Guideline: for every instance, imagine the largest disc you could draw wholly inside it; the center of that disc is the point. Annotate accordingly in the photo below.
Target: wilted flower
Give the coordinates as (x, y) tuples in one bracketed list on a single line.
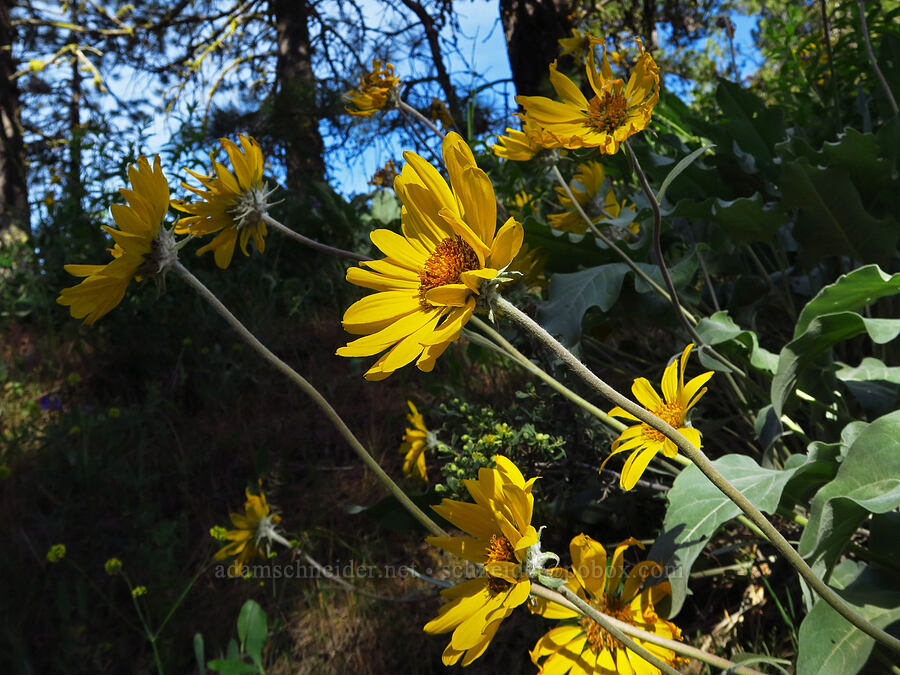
[(374, 92)]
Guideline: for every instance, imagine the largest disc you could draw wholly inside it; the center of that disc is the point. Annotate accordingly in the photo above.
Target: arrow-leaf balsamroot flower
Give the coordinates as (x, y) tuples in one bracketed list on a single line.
[(581, 645), (231, 204), (499, 536), (252, 533), (428, 282), (377, 89), (143, 248), (615, 112), (643, 440)]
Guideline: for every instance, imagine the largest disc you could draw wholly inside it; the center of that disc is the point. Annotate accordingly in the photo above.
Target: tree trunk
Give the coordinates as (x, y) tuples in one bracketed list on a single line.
[(532, 28), (295, 116), (13, 186)]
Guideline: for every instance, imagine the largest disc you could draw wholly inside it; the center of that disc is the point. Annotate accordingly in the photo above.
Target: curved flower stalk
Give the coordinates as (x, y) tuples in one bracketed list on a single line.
[(375, 91), (616, 111), (252, 533), (231, 203), (428, 283), (143, 247), (580, 644), (586, 188), (415, 441), (500, 535), (643, 440)]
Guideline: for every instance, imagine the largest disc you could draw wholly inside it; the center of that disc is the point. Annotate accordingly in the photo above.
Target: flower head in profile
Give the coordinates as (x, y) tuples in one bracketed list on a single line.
[(374, 91), (642, 440), (143, 248), (586, 187), (427, 285), (252, 533), (232, 203), (615, 112), (580, 644), (499, 537), (56, 553), (416, 440), (521, 146)]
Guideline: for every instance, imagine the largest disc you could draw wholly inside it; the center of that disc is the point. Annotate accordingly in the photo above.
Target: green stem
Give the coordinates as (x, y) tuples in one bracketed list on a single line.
[(698, 458), (871, 53), (528, 365), (151, 638), (312, 243), (609, 242), (628, 629), (178, 602), (314, 394)]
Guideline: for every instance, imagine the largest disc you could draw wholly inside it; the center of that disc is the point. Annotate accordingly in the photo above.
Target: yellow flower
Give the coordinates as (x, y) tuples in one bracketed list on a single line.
[(56, 553), (138, 591), (251, 535), (439, 112), (580, 644), (576, 45), (521, 146), (616, 111), (415, 442), (531, 264), (142, 246), (374, 90), (585, 187), (113, 566), (500, 536), (643, 440), (232, 204), (384, 177), (428, 283)]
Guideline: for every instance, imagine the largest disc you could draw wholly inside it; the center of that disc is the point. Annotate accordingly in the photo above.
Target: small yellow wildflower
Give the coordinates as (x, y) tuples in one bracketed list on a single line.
[(643, 440), (56, 553), (415, 441), (232, 204), (376, 90), (138, 591), (113, 566), (582, 645), (384, 177), (253, 531), (616, 112)]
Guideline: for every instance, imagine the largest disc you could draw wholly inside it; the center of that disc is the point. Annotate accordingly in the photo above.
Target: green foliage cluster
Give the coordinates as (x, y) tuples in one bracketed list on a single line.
[(475, 434)]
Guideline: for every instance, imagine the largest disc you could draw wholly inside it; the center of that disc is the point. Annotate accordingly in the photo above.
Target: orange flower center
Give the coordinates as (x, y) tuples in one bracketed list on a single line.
[(597, 637), (499, 550), (450, 259), (671, 413), (607, 113)]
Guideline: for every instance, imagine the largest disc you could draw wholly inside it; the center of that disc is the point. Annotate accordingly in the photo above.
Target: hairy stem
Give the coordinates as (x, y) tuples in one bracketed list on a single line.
[(652, 638), (698, 458), (312, 243)]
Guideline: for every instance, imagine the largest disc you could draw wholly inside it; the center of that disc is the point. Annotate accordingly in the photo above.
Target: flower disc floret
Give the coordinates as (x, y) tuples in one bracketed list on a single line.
[(433, 272)]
